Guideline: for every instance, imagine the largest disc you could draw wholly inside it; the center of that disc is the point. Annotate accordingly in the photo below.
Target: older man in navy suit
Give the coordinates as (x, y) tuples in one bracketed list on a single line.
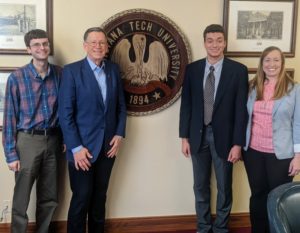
[(92, 114), (213, 119)]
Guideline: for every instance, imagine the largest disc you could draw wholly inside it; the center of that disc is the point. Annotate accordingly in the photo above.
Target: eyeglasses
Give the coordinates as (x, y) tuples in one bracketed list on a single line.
[(38, 45), (96, 43)]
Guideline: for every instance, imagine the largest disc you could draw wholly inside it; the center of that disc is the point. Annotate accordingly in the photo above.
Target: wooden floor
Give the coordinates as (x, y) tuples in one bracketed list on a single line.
[(236, 230), (239, 223)]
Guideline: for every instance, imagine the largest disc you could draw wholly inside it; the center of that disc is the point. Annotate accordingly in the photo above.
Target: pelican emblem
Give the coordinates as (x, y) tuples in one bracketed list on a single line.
[(139, 72)]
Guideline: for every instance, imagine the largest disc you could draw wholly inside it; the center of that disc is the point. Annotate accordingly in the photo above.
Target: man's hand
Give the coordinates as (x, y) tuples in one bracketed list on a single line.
[(115, 145), (14, 166), (235, 154), (185, 147), (82, 159)]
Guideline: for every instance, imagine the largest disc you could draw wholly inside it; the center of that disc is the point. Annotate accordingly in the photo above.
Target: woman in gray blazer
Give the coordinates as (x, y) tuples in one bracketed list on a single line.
[(272, 150)]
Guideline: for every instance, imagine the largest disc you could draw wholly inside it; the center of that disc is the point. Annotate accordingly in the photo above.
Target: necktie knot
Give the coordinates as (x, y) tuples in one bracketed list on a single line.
[(211, 69)]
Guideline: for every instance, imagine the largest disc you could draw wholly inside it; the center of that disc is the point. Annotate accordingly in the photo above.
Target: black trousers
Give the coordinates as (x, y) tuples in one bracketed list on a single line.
[(89, 190), (265, 172)]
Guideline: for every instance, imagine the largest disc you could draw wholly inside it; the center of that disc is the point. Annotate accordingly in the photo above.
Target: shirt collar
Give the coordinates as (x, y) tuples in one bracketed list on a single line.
[(217, 65), (35, 73), (94, 66)]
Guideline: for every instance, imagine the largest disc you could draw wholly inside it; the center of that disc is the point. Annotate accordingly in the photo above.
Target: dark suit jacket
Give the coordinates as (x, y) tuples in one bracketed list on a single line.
[(229, 118), (83, 117)]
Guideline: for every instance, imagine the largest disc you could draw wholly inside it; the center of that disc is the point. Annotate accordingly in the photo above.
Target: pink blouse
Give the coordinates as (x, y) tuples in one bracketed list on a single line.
[(262, 130)]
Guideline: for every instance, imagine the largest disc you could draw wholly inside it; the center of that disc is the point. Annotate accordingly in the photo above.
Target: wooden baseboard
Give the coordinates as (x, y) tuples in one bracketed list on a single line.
[(144, 224)]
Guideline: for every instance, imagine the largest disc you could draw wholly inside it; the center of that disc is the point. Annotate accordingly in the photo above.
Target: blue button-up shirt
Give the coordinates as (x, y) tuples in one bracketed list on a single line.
[(100, 77), (30, 103)]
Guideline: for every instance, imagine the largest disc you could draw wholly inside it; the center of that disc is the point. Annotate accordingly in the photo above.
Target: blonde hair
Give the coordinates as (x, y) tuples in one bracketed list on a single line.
[(283, 80)]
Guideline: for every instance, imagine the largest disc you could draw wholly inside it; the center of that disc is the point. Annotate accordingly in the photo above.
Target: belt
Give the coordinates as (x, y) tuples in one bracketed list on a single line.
[(45, 132)]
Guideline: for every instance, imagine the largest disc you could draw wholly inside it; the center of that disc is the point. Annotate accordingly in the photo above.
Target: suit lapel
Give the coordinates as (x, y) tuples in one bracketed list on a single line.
[(251, 101), (90, 80), (199, 73), (202, 73), (223, 84), (278, 102), (108, 84)]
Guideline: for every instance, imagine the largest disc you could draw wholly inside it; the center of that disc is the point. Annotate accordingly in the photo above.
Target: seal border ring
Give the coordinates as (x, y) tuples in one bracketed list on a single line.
[(186, 46)]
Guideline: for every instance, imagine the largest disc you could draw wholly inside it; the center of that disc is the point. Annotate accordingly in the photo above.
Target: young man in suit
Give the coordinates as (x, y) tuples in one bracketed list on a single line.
[(92, 114), (213, 118)]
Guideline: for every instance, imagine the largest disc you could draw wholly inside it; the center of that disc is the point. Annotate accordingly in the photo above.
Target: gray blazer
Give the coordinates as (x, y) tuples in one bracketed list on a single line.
[(285, 122)]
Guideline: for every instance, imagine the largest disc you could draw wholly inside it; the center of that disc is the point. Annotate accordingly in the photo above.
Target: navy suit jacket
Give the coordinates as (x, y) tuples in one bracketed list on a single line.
[(84, 118), (229, 118)]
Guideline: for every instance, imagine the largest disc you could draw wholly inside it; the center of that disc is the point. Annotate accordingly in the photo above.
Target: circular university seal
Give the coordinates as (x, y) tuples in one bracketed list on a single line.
[(152, 54)]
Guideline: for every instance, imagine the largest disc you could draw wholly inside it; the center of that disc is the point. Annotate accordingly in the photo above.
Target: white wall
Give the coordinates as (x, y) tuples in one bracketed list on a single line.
[(151, 177)]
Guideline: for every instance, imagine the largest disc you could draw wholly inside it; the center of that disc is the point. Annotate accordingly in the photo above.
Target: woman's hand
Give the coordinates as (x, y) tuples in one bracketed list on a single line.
[(294, 168)]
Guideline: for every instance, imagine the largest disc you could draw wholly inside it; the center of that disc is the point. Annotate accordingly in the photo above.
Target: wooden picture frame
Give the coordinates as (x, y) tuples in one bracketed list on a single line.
[(17, 18), (251, 26)]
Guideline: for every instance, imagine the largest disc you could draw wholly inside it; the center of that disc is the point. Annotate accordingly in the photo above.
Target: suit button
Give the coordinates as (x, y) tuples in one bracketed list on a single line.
[(200, 130)]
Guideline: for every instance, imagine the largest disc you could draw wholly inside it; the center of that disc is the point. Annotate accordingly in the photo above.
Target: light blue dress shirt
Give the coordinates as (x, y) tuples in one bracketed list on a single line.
[(100, 77)]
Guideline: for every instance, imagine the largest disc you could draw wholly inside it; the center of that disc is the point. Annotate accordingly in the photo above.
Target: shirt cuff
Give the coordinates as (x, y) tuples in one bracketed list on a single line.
[(76, 149), (12, 159), (296, 148)]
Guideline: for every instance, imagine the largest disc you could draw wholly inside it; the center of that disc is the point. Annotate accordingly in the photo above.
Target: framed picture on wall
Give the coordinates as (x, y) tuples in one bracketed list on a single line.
[(253, 25), (252, 72), (17, 17), (4, 73)]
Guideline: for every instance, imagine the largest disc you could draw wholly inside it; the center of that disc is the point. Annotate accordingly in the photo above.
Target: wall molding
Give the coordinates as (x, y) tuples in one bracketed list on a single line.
[(143, 224)]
